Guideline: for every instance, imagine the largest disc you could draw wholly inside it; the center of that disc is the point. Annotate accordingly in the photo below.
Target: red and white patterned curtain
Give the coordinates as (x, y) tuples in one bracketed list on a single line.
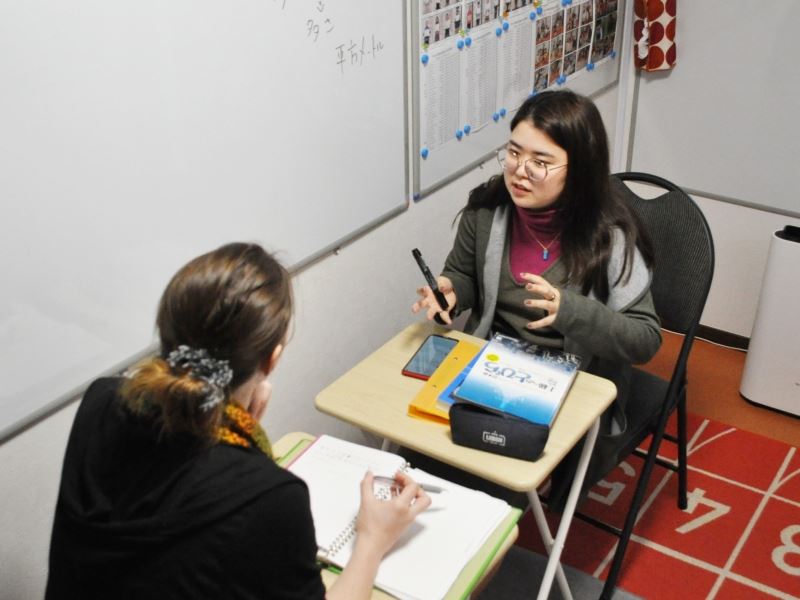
[(654, 34)]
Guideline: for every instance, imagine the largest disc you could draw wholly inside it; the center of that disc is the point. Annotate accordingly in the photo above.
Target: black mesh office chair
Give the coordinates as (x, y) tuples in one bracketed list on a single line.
[(684, 266)]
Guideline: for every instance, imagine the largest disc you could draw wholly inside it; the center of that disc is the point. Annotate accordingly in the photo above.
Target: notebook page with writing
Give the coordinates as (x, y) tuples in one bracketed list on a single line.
[(430, 555), (333, 470)]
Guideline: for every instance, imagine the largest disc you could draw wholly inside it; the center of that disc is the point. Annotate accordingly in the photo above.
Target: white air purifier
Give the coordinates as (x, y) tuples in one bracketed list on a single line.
[(771, 375)]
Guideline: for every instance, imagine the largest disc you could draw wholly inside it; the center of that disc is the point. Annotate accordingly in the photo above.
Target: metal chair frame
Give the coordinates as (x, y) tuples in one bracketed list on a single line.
[(675, 396)]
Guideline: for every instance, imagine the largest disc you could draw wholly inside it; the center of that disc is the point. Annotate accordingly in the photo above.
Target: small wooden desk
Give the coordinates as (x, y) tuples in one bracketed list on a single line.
[(474, 574), (374, 396)]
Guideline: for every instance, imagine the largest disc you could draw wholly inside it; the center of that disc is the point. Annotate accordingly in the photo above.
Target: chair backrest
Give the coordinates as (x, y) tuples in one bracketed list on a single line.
[(683, 246)]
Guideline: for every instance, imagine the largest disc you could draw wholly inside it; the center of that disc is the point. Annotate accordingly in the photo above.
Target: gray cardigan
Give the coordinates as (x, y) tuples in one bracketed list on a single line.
[(624, 328)]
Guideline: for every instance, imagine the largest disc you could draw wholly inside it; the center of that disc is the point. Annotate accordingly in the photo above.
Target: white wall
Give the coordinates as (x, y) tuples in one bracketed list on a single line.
[(742, 238), (730, 117), (724, 122)]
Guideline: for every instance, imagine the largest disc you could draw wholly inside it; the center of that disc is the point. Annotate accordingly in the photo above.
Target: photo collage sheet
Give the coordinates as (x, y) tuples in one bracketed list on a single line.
[(480, 59)]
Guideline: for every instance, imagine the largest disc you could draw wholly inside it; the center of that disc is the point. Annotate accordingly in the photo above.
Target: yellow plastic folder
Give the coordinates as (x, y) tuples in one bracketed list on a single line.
[(425, 405)]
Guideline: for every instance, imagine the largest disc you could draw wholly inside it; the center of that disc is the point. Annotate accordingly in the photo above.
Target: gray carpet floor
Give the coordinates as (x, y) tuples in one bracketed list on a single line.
[(522, 569)]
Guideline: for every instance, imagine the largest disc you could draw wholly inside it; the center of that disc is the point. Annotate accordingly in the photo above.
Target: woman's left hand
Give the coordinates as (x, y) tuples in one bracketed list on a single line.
[(547, 297)]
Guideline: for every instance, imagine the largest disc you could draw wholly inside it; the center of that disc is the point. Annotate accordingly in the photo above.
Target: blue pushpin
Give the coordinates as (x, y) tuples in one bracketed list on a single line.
[(467, 129), (505, 25), (459, 134), (424, 153), (590, 67), (468, 41), (561, 80), (460, 44), (564, 3), (502, 112), (424, 59), (539, 10), (613, 54), (417, 196), (498, 32), (532, 16), (496, 117)]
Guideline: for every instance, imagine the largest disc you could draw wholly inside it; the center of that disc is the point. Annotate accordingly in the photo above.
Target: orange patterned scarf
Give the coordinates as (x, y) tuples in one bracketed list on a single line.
[(240, 429)]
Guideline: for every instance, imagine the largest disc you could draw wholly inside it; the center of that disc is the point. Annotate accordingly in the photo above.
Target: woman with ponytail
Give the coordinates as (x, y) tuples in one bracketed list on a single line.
[(547, 252), (169, 489)]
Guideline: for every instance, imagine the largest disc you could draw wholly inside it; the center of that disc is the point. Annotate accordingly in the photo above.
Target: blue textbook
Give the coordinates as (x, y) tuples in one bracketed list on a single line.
[(521, 379)]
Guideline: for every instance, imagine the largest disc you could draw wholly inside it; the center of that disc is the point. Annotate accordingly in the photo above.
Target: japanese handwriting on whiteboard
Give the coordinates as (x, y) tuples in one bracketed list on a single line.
[(319, 23), (353, 54)]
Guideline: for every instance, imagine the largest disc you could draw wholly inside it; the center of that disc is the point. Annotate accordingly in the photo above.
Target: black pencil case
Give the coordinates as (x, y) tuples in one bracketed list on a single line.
[(475, 427)]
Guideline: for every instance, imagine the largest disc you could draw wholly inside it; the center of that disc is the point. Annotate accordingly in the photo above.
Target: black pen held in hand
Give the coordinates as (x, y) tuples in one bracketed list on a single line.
[(431, 280)]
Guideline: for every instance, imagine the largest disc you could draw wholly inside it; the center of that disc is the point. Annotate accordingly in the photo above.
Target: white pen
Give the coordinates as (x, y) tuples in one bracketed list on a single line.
[(392, 482)]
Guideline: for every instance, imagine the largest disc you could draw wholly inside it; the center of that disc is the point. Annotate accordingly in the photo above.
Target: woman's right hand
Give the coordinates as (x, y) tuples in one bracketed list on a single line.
[(379, 525), (428, 301), (381, 522)]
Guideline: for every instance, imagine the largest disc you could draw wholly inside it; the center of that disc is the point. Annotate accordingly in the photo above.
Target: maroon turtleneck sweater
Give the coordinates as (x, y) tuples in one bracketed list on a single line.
[(532, 232)]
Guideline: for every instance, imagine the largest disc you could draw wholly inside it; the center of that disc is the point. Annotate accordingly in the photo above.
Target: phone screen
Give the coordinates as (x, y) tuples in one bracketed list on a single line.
[(429, 356)]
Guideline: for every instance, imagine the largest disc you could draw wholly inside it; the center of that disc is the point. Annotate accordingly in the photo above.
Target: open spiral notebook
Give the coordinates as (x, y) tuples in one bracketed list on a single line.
[(431, 554)]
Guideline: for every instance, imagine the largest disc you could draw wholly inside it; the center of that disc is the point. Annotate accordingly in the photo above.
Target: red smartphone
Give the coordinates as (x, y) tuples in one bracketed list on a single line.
[(429, 356)]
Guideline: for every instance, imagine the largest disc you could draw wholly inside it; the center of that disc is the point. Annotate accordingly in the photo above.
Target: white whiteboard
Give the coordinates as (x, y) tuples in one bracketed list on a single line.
[(724, 122), (136, 134)]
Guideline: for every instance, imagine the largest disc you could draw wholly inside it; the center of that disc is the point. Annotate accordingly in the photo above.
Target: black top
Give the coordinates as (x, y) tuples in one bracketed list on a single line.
[(145, 516)]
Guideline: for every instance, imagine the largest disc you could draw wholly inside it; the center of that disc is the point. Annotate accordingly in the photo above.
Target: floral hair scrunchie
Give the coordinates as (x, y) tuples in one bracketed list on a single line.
[(217, 374)]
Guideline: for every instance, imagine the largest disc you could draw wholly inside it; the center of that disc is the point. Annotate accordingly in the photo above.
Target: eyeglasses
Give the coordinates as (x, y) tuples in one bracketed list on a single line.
[(535, 169)]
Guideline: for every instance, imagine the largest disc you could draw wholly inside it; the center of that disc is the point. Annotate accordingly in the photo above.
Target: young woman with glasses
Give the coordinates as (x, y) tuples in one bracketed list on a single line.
[(545, 252), (169, 488)]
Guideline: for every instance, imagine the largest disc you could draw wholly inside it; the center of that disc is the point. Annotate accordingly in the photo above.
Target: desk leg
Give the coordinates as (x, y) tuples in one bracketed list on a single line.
[(555, 547), (547, 539)]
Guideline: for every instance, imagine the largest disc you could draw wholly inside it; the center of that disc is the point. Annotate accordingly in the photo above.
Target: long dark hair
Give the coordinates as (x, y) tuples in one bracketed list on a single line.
[(235, 303), (587, 211)]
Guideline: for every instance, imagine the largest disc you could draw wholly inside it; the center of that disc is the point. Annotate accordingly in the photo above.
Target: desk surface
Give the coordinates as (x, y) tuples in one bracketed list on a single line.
[(479, 568), (374, 396)]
